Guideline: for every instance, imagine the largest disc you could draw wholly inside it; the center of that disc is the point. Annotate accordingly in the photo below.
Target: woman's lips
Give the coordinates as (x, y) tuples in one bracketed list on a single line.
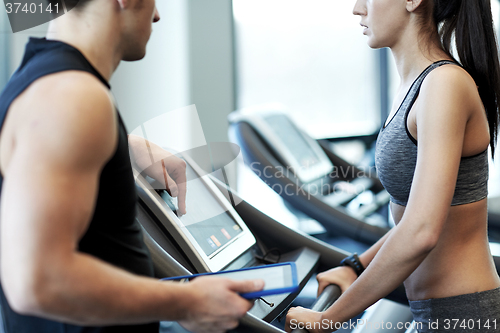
[(365, 28)]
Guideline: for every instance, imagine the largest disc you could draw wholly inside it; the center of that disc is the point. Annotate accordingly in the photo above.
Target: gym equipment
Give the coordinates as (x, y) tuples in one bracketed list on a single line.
[(184, 246), (216, 235), (346, 200)]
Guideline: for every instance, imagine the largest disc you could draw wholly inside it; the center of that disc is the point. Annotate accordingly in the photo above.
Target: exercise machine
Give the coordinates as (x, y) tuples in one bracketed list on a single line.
[(220, 232), (345, 199)]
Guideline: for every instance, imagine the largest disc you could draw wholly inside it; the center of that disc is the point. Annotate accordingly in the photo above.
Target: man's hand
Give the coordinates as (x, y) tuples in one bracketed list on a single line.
[(162, 166), (214, 303), (304, 318)]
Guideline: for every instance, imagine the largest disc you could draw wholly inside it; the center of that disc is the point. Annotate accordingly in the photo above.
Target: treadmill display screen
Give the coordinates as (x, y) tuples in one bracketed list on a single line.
[(206, 219), (293, 140)]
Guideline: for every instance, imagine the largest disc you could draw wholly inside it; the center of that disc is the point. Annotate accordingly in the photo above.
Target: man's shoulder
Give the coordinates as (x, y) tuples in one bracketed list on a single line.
[(68, 111), (71, 85)]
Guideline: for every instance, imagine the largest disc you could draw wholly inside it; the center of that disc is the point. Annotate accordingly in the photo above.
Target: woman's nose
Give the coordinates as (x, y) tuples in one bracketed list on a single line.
[(359, 8)]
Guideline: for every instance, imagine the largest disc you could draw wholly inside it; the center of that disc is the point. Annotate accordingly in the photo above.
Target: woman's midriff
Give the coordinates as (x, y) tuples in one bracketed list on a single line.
[(461, 262)]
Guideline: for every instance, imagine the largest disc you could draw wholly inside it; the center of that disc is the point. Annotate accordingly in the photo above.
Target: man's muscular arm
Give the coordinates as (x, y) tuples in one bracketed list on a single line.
[(49, 192)]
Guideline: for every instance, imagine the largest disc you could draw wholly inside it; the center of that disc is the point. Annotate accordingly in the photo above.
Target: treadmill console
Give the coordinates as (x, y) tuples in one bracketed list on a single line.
[(211, 233), (303, 154), (212, 237)]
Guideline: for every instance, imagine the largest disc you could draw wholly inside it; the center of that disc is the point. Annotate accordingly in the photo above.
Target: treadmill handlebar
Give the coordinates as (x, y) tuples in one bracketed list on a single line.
[(329, 295), (251, 324)]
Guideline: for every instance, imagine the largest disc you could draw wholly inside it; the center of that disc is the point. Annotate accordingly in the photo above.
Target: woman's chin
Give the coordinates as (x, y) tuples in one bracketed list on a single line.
[(373, 44)]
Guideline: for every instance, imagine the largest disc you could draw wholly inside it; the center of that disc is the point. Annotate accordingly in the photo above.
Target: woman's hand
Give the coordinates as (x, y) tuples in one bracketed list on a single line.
[(342, 276), (304, 318), (159, 164)]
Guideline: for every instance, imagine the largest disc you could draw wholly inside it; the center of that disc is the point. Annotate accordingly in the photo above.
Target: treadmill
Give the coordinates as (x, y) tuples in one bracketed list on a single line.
[(344, 199), (223, 232)]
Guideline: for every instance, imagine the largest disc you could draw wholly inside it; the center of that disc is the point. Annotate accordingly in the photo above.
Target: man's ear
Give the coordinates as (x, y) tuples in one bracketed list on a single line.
[(412, 5), (123, 3)]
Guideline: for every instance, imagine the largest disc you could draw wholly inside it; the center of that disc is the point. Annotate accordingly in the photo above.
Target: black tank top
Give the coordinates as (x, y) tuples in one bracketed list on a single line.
[(113, 235)]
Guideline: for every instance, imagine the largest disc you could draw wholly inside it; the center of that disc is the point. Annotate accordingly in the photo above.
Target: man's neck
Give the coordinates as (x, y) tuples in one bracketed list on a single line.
[(97, 41)]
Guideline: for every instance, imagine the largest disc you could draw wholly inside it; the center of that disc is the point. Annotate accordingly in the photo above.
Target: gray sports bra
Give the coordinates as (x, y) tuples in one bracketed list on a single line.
[(396, 156)]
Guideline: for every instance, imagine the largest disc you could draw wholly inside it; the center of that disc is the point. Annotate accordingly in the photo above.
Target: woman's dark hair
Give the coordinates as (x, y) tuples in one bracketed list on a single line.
[(471, 23)]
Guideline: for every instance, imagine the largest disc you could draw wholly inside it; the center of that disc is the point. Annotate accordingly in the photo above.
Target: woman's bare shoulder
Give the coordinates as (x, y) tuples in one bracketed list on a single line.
[(452, 89), (448, 79)]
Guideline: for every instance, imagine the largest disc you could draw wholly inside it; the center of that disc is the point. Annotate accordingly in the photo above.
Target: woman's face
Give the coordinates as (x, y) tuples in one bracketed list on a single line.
[(383, 20)]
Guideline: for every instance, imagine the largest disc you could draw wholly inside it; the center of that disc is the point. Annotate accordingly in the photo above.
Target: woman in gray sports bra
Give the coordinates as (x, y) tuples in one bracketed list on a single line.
[(432, 157)]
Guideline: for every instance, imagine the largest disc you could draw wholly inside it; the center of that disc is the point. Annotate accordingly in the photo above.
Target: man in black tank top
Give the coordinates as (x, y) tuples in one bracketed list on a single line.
[(72, 254)]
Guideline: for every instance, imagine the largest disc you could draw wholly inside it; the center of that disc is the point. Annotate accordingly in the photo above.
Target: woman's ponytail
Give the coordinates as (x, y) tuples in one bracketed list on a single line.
[(471, 23)]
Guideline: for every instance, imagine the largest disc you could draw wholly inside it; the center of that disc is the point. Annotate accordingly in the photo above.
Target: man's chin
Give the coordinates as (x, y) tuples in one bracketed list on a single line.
[(134, 57)]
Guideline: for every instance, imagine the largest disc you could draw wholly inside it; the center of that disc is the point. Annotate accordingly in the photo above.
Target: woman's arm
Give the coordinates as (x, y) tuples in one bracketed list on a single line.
[(344, 276), (367, 256), (442, 113)]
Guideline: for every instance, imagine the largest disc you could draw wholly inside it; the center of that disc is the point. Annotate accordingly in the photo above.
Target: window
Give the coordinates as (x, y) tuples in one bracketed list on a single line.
[(312, 57)]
